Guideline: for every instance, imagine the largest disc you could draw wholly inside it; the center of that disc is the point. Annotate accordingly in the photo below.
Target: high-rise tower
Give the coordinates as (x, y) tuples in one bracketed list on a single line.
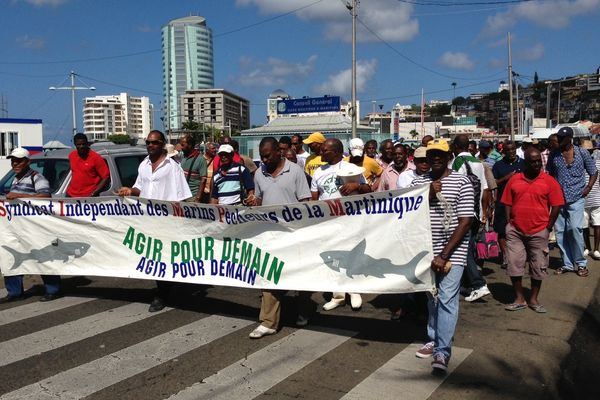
[(187, 60)]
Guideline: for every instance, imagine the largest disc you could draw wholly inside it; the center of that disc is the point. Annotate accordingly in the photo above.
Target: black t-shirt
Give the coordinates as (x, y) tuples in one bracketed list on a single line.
[(502, 168)]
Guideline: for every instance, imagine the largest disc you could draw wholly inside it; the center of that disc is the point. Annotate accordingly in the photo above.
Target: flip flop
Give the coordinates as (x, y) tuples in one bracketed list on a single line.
[(583, 271), (538, 308), (515, 307)]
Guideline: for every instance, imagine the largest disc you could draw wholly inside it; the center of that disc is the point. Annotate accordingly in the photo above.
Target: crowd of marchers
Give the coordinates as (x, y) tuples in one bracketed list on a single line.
[(530, 195)]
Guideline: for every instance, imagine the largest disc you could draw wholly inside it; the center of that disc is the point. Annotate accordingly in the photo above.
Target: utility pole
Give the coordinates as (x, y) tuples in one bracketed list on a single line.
[(73, 88), (548, 93), (451, 104), (518, 108), (354, 12), (510, 91)]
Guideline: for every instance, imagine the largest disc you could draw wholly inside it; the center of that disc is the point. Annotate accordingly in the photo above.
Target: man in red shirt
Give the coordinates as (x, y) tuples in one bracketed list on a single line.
[(90, 174), (528, 196)]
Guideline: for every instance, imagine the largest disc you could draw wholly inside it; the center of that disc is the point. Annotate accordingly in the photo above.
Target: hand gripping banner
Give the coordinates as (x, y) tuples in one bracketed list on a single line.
[(373, 243)]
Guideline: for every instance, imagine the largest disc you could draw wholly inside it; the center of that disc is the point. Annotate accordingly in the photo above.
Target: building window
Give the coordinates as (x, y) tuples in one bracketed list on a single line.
[(8, 142)]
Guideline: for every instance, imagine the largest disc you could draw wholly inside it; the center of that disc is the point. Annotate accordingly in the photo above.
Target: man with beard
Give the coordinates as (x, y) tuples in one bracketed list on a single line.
[(194, 166), (159, 178), (278, 181), (533, 200), (90, 174), (325, 185), (357, 157), (504, 170), (450, 245), (390, 175)]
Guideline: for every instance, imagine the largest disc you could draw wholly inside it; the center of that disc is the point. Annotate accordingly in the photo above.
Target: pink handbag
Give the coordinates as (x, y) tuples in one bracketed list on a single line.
[(487, 244)]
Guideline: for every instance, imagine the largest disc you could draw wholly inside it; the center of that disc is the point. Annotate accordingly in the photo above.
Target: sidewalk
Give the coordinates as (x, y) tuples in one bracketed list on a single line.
[(520, 354)]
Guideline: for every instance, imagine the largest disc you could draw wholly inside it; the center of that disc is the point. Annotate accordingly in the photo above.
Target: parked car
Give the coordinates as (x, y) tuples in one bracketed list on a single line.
[(122, 161)]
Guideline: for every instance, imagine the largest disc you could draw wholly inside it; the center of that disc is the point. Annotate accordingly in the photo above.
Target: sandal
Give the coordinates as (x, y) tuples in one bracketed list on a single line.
[(562, 270), (538, 308), (583, 272), (515, 307)]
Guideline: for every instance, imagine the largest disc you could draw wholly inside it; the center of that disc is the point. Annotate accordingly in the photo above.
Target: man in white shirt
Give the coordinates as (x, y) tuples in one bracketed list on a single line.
[(159, 178), (297, 146), (327, 185)]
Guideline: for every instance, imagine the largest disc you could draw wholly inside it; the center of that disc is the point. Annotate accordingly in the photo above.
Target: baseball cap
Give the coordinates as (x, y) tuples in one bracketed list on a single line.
[(565, 131), (225, 148), (357, 147), (484, 144), (315, 137), (438, 144), (420, 152), (19, 152), (527, 140)]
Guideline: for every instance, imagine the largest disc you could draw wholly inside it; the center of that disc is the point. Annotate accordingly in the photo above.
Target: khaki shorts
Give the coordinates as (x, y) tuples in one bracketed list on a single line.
[(522, 249)]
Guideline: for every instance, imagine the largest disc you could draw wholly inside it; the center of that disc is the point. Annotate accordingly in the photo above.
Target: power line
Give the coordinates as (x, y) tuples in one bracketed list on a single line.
[(94, 59), (421, 65), (462, 3), (119, 86)]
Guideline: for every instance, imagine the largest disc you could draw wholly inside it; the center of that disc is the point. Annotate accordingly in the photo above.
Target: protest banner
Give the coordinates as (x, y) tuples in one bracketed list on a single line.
[(373, 243)]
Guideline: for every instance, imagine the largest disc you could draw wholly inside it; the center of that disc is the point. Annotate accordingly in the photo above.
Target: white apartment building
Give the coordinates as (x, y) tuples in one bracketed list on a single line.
[(117, 115)]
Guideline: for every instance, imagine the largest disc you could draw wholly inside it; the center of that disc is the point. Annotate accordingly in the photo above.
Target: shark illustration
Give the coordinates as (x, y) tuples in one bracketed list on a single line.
[(356, 262), (57, 250)]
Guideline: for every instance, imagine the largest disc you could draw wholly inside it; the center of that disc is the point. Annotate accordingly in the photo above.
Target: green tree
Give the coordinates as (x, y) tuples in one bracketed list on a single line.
[(119, 139), (413, 133)]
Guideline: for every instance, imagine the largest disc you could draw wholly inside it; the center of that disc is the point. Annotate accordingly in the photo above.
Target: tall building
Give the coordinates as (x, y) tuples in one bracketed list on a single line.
[(187, 60), (217, 108), (117, 115)]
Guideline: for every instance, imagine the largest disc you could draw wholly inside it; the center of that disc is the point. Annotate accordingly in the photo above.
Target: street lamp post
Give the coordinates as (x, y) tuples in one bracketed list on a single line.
[(452, 103), (380, 119), (72, 88), (548, 93)]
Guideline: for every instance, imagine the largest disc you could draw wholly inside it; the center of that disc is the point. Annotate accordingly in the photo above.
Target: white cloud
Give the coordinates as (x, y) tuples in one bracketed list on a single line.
[(31, 42), (389, 19), (273, 71), (497, 63), (43, 3), (534, 53), (145, 28), (456, 60), (341, 83), (554, 14)]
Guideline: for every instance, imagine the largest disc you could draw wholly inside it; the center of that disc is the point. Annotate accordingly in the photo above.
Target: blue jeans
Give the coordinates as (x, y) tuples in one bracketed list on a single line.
[(569, 234), (443, 311), (14, 284)]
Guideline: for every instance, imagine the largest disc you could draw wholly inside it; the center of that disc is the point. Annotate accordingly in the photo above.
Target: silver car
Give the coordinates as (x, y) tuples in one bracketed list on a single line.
[(122, 161)]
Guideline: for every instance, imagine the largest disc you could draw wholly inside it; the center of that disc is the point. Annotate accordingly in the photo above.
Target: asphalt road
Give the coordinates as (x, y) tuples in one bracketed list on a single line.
[(100, 343)]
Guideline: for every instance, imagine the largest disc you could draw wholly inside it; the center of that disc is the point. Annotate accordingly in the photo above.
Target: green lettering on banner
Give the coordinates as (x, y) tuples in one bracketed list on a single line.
[(275, 270)]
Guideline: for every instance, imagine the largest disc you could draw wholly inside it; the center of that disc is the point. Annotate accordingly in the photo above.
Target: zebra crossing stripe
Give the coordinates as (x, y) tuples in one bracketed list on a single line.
[(52, 338), (36, 309), (405, 376), (96, 375), (258, 372)]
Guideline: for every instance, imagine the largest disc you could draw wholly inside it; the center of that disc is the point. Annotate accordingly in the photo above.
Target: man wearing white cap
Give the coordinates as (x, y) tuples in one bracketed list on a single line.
[(357, 157), (327, 184), (233, 183), (27, 184)]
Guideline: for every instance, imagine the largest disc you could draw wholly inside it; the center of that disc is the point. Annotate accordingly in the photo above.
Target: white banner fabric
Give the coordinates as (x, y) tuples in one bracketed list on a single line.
[(374, 243)]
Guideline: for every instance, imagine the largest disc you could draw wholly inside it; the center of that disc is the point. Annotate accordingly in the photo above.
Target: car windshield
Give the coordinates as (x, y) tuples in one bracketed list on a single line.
[(55, 170), (127, 166)]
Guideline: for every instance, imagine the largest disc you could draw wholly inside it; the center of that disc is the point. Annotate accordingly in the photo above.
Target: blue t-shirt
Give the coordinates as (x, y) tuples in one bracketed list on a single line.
[(502, 168)]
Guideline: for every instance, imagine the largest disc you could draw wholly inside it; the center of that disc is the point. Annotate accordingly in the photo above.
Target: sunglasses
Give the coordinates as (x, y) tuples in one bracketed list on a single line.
[(154, 142)]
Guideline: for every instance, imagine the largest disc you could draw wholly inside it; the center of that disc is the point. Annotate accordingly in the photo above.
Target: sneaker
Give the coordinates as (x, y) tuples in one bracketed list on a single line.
[(586, 252), (596, 255), (465, 291), (334, 303), (50, 297), (301, 321), (355, 301), (261, 331), (440, 362), (426, 350), (478, 293)]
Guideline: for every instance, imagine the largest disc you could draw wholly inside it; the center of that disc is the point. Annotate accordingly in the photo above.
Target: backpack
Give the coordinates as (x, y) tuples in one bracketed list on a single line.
[(476, 186), (487, 244)]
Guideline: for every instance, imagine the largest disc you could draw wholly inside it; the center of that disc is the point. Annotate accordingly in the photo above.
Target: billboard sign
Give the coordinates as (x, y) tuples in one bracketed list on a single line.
[(309, 105)]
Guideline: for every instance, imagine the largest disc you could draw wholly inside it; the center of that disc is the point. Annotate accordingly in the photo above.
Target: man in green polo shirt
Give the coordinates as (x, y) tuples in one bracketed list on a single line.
[(194, 166)]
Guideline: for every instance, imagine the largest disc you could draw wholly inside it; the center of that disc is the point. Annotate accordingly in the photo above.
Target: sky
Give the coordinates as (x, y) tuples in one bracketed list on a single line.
[(300, 46)]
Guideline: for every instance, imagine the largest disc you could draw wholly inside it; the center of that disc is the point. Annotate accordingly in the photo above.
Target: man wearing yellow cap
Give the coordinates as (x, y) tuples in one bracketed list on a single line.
[(314, 141)]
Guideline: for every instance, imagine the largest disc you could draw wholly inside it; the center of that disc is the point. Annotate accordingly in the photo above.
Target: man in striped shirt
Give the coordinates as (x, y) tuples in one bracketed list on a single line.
[(451, 216), (233, 183), (27, 184)]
